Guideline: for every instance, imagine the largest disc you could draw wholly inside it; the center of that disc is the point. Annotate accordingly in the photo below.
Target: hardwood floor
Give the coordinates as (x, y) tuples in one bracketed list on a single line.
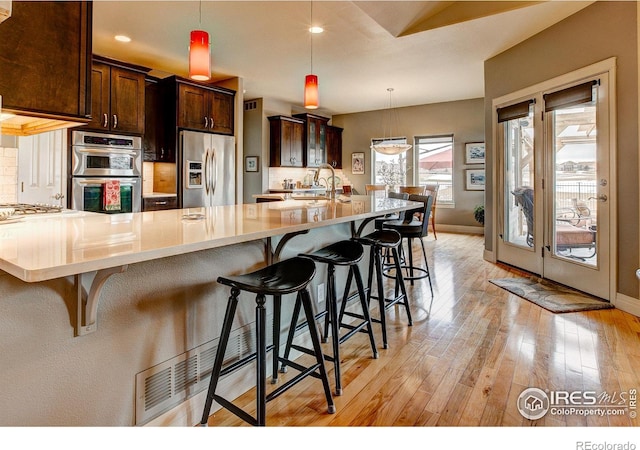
[(467, 357)]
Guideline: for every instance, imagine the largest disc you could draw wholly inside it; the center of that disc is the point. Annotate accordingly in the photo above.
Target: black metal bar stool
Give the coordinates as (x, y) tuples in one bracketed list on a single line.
[(411, 228), (378, 241), (343, 253), (285, 277)]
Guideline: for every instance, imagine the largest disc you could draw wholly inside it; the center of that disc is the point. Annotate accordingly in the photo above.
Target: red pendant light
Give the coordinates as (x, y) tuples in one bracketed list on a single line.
[(311, 91), (199, 56)]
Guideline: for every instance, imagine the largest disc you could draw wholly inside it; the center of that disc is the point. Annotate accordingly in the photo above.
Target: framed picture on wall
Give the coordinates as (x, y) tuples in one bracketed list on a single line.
[(474, 153), (357, 163), (475, 179), (251, 163)]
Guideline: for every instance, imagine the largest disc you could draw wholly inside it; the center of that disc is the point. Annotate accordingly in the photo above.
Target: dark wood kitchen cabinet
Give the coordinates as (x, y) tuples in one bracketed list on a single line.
[(286, 141), (117, 96), (205, 108), (45, 59), (158, 203), (154, 141), (315, 139), (334, 146)]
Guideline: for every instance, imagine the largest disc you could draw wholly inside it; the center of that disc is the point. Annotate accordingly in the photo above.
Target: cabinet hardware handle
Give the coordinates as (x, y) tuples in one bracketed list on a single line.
[(115, 121), (211, 122), (161, 203), (206, 122), (105, 122)]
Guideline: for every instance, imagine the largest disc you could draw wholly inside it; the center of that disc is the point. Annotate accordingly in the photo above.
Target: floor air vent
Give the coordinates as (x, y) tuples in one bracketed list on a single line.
[(166, 385)]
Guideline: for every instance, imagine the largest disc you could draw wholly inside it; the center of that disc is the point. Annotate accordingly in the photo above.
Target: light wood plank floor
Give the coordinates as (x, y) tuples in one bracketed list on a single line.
[(466, 361)]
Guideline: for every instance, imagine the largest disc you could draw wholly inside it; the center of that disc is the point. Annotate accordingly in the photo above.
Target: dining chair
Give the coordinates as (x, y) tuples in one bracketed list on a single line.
[(378, 190), (411, 190), (432, 190)]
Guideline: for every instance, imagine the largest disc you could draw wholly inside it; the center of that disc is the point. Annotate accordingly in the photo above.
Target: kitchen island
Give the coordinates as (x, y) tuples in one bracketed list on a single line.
[(164, 310)]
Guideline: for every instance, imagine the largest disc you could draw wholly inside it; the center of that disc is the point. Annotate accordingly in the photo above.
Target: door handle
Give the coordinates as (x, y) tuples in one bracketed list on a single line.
[(600, 198), (206, 172), (214, 171)]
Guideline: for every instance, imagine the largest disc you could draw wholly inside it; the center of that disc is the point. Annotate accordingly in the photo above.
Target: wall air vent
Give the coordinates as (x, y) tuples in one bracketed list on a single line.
[(166, 385), (250, 105)]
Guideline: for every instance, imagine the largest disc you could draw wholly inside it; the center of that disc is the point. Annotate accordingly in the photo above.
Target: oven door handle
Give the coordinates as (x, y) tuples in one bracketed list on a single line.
[(106, 152), (99, 181)]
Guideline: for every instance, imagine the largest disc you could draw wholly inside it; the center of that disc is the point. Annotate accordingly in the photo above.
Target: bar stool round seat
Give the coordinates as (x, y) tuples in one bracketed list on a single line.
[(389, 240), (285, 277), (342, 253)]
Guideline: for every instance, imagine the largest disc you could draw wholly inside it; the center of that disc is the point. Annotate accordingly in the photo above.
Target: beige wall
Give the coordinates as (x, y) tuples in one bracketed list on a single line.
[(598, 32), (464, 119)]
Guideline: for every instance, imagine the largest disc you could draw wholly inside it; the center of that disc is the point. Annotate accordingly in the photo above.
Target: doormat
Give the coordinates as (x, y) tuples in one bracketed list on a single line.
[(551, 296)]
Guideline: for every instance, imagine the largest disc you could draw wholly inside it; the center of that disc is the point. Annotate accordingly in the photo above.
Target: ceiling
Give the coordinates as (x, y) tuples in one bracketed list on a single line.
[(428, 52)]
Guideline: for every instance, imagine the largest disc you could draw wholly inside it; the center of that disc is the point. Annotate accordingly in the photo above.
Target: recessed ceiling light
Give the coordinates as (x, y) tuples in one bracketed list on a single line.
[(316, 30), (122, 38)]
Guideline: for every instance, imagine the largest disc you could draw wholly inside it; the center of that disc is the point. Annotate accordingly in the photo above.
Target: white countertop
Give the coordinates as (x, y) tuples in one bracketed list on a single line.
[(61, 245)]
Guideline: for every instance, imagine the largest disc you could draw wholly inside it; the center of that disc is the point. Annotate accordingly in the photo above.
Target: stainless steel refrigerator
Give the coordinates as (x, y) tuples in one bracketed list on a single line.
[(208, 171)]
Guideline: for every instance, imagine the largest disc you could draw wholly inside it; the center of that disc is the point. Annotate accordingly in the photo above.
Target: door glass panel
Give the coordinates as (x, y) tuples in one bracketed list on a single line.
[(575, 179), (519, 182)]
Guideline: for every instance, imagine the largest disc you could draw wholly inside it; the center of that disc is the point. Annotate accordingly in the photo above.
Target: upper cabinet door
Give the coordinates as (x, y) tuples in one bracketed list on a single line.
[(222, 116), (193, 107), (45, 53), (127, 101), (100, 76)]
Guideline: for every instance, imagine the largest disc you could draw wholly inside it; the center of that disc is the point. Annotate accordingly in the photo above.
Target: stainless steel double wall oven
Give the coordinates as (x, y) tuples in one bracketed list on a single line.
[(98, 158)]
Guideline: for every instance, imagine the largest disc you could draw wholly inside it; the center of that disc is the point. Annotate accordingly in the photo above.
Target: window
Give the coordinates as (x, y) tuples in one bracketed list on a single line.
[(389, 169), (434, 160)]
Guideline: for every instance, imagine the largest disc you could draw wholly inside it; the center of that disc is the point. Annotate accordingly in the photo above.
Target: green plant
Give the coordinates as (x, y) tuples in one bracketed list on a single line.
[(478, 214)]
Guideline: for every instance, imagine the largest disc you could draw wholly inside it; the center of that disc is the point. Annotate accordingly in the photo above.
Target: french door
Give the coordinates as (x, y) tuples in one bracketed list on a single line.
[(554, 198)]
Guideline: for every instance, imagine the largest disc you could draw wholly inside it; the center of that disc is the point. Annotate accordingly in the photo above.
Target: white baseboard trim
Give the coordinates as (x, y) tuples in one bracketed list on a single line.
[(459, 229), (488, 255), (627, 304)]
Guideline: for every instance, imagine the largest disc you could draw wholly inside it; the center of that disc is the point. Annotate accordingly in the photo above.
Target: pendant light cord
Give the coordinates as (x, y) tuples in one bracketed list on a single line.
[(311, 34)]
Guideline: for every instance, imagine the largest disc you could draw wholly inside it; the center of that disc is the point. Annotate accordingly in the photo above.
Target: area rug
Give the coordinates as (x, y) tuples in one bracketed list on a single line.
[(551, 296)]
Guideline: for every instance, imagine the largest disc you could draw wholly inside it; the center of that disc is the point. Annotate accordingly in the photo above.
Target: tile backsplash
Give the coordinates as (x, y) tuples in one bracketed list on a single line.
[(278, 174), (8, 175)]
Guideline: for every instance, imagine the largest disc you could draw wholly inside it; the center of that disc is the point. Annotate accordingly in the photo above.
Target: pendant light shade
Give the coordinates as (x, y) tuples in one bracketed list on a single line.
[(199, 56), (311, 92), (389, 145)]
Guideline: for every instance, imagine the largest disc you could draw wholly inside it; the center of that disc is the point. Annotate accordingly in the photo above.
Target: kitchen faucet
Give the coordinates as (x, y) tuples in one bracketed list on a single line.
[(316, 177)]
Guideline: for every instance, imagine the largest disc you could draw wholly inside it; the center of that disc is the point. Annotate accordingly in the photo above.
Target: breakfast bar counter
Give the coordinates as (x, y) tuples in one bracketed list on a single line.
[(57, 246)]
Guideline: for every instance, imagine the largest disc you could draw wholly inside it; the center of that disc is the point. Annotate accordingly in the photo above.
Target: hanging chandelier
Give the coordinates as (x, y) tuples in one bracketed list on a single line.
[(311, 96), (199, 54), (390, 145)]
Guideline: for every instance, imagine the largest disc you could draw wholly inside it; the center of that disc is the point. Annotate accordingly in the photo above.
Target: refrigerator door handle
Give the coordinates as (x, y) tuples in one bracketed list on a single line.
[(214, 171), (206, 172)]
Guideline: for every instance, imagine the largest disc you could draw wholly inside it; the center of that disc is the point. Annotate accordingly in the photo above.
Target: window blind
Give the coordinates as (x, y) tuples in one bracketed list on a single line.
[(575, 95), (517, 111)]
